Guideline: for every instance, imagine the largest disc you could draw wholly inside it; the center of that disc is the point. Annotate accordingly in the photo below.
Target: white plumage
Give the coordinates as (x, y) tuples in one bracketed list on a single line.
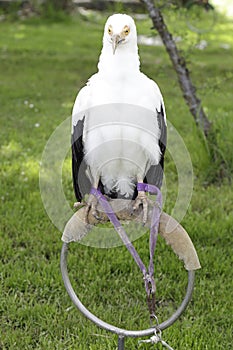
[(119, 117)]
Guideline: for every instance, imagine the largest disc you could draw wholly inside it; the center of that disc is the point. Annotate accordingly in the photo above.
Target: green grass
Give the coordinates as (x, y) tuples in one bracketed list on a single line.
[(43, 65)]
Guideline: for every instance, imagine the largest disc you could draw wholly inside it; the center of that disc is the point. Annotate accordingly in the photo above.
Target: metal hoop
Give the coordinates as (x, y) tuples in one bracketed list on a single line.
[(120, 331)]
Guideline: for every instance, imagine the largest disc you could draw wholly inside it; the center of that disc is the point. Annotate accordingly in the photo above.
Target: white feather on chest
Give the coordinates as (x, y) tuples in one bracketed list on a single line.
[(120, 138)]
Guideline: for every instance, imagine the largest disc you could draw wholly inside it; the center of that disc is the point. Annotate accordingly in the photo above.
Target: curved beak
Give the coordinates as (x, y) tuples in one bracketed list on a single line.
[(116, 40)]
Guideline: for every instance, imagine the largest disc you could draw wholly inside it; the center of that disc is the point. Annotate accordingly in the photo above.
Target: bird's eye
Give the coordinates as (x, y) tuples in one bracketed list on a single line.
[(126, 30), (110, 30)]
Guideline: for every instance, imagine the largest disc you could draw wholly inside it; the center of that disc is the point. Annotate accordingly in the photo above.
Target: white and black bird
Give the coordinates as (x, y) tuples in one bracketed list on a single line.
[(118, 123)]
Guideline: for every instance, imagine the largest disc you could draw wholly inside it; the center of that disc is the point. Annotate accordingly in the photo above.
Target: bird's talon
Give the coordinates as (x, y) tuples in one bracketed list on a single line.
[(96, 216), (77, 205), (91, 206)]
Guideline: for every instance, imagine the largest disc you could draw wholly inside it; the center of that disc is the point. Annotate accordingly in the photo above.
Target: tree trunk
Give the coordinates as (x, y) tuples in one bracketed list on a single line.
[(179, 64)]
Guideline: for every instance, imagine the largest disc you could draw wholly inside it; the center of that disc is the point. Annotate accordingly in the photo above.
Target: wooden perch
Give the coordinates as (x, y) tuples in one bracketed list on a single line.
[(173, 233)]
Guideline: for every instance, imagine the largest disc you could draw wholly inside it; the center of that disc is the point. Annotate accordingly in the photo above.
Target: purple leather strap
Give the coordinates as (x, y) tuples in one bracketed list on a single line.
[(154, 227), (118, 227), (148, 276)]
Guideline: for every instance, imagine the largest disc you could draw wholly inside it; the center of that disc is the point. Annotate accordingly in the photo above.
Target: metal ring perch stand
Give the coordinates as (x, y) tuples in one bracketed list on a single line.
[(181, 245)]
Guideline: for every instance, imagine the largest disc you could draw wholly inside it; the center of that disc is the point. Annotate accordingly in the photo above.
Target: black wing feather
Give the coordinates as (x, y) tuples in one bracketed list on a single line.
[(81, 182), (154, 175)]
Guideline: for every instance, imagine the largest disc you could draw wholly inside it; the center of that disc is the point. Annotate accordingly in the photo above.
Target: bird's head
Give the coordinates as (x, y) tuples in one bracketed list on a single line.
[(120, 31)]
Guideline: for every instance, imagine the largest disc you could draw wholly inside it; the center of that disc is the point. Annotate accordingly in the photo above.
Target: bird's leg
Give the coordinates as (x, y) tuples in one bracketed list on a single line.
[(91, 207), (92, 203), (142, 199)]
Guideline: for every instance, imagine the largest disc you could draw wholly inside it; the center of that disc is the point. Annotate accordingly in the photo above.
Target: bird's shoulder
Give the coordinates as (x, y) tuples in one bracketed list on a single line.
[(151, 92), (150, 84), (81, 101)]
